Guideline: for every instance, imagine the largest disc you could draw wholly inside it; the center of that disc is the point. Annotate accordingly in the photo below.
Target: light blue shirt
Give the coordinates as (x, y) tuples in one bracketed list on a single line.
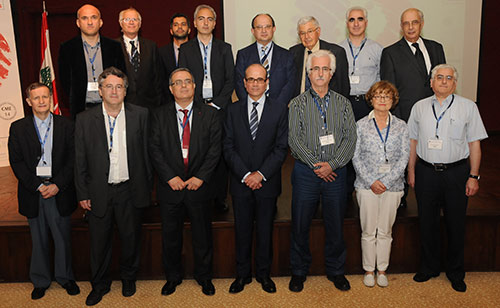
[(367, 64), (42, 126), (370, 155), (206, 56), (269, 56), (460, 125)]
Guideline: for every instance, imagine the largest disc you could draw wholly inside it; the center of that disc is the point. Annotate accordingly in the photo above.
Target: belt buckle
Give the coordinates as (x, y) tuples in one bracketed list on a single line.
[(439, 167)]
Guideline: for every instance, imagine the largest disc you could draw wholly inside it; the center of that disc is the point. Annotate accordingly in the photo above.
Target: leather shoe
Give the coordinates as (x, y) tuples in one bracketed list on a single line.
[(239, 284), (296, 283), (458, 285), (422, 277), (38, 293), (169, 287), (207, 287), (95, 297), (71, 288), (128, 287), (267, 284), (340, 282)]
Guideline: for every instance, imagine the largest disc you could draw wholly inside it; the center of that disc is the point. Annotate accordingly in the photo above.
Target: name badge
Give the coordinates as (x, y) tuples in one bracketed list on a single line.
[(185, 153), (326, 140), (92, 86), (384, 168), (354, 79), (44, 171), (207, 83), (435, 144)]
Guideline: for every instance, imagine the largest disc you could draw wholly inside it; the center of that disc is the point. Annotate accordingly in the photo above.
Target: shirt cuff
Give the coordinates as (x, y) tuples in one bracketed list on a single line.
[(263, 177), (245, 176)]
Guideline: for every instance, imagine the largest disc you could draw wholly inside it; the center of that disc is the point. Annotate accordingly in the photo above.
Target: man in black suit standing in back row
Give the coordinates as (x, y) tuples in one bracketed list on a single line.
[(142, 61)]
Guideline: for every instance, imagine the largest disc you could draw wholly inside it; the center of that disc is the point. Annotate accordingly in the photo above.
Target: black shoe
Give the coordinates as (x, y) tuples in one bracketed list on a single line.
[(422, 277), (38, 293), (95, 297), (128, 287), (267, 284), (207, 287), (239, 284), (296, 283), (71, 288), (340, 282), (169, 287), (458, 285)]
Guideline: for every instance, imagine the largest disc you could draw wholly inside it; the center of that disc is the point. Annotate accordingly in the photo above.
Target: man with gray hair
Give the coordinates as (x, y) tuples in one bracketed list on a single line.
[(113, 180), (309, 32), (445, 134), (322, 138)]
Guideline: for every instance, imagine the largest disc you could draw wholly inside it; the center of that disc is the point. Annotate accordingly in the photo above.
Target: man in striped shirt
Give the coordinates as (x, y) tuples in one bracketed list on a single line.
[(322, 138)]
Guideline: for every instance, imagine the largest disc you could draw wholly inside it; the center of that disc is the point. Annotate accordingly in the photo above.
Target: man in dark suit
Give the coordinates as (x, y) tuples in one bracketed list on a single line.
[(185, 148), (277, 61), (211, 62), (169, 54), (41, 155), (408, 62), (255, 147), (142, 60), (83, 58), (113, 180), (309, 32)]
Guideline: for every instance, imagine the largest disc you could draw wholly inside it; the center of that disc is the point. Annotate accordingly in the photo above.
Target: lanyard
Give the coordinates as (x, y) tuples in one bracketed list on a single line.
[(92, 60), (266, 54), (184, 123), (111, 130), (42, 142), (205, 58), (321, 111), (386, 136), (354, 57), (442, 114)]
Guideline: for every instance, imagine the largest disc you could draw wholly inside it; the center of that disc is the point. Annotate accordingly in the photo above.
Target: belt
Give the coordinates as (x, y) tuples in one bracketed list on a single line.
[(46, 180), (442, 167), (208, 100), (117, 184)]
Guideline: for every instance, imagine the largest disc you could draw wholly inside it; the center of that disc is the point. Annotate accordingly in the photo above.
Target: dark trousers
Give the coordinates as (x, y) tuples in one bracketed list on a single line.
[(307, 190), (128, 218), (446, 189), (220, 182), (172, 224), (246, 210), (60, 228)]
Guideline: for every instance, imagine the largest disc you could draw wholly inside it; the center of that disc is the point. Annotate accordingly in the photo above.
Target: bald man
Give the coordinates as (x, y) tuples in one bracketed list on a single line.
[(83, 58)]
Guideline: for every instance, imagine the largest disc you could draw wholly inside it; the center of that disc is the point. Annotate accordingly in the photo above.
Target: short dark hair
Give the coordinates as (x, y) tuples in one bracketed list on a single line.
[(380, 87), (36, 85), (177, 15), (180, 69), (267, 14), (115, 72)]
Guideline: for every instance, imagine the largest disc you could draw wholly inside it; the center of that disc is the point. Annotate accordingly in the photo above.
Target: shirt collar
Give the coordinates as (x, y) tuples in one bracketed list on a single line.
[(315, 95), (128, 40), (315, 47), (105, 113), (209, 43), (188, 107), (419, 41), (446, 102), (371, 115), (261, 100), (90, 46), (40, 122), (259, 46)]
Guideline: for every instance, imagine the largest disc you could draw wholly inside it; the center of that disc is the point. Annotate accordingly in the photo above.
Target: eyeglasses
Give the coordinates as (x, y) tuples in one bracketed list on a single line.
[(359, 19), (413, 23), (316, 69), (109, 87), (448, 77), (203, 18), (308, 32), (179, 82), (129, 19), (382, 97), (266, 27), (257, 80)]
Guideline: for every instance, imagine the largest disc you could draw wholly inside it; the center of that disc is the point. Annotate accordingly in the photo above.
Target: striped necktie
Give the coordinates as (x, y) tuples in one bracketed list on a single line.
[(264, 60), (254, 120), (134, 57)]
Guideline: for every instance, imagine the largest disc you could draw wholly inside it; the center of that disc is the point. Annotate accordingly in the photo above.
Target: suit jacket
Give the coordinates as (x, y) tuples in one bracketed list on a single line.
[(340, 79), (266, 153), (24, 154), (73, 68), (281, 76), (167, 57), (144, 87), (221, 69), (204, 150), (399, 66), (92, 157)]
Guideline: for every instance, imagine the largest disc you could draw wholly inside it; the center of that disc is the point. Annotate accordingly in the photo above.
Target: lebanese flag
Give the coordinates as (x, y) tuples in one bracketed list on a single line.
[(47, 75)]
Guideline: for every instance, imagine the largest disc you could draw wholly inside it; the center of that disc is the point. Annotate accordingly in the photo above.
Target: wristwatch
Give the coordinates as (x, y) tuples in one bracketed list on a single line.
[(477, 177)]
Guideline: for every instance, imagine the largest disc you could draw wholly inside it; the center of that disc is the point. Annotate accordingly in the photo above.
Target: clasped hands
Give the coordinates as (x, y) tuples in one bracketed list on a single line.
[(177, 183)]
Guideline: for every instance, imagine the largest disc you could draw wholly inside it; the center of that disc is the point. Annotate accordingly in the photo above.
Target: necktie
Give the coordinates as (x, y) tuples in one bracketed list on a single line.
[(308, 81), (134, 56), (264, 60), (186, 134), (254, 120), (420, 58)]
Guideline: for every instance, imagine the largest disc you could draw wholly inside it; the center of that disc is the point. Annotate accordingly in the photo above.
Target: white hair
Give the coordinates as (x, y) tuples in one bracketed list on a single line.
[(356, 8), (318, 54)]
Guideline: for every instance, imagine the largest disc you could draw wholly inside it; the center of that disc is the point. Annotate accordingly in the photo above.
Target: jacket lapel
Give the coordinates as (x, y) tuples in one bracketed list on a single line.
[(411, 56), (244, 117)]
